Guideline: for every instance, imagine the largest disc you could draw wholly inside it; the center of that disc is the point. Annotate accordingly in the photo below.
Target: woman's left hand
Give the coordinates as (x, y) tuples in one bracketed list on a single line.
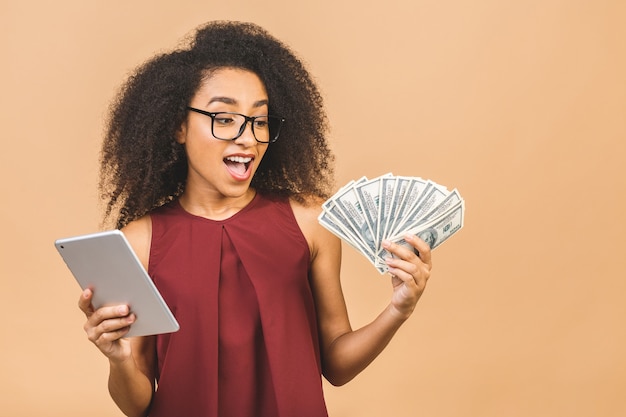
[(409, 273)]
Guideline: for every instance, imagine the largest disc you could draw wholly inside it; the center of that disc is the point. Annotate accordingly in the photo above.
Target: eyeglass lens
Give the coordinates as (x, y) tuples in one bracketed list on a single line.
[(229, 126)]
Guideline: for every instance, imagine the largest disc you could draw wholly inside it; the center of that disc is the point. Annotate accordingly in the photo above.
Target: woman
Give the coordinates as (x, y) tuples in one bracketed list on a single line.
[(216, 162)]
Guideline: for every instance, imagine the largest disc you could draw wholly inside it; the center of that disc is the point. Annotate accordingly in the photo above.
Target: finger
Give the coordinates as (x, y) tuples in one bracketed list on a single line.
[(401, 270), (107, 313), (399, 276), (110, 329), (422, 248), (84, 302), (400, 251), (116, 325), (110, 337), (408, 266)]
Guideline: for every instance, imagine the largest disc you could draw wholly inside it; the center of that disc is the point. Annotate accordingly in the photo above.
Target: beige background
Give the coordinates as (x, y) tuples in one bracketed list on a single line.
[(519, 104)]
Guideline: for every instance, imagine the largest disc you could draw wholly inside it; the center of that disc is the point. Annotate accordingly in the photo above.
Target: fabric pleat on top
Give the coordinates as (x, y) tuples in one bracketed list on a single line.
[(239, 288)]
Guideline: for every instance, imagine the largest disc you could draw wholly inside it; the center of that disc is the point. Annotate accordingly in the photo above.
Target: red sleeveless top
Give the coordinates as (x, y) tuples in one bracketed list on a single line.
[(248, 342)]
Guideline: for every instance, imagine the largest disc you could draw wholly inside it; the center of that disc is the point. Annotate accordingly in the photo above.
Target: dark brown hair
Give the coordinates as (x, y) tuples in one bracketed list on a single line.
[(142, 165)]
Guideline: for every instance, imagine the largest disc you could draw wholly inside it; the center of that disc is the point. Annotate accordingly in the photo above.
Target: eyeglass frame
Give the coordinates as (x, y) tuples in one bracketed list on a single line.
[(242, 129)]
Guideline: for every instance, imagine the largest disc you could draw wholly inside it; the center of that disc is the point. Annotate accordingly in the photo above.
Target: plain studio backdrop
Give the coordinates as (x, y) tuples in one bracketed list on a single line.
[(519, 104)]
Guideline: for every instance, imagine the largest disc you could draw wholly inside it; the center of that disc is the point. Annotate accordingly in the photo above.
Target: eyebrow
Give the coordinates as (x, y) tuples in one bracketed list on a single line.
[(232, 101)]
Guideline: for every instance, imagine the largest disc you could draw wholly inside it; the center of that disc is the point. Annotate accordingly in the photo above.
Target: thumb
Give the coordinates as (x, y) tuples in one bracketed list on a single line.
[(84, 302)]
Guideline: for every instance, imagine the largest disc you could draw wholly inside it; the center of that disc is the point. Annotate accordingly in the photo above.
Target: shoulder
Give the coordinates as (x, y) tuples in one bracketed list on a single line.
[(306, 214), (139, 235), (308, 210)]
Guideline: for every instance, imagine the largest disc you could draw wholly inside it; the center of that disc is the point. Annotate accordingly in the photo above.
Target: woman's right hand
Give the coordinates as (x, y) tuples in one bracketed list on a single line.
[(106, 327)]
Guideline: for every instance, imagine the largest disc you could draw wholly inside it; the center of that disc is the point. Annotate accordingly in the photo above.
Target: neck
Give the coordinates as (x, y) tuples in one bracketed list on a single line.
[(215, 207)]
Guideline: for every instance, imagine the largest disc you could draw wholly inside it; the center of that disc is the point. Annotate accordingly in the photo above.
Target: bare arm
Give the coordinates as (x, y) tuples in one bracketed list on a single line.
[(132, 361), (346, 352)]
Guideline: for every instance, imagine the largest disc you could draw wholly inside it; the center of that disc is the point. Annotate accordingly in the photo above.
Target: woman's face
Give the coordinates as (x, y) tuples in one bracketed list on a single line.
[(223, 168)]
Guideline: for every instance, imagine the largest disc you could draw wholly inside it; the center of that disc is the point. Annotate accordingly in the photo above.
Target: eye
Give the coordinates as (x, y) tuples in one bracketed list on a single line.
[(223, 119), (260, 122)]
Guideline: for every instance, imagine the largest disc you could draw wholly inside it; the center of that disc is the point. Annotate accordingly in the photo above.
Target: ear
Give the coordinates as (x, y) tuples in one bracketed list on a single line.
[(181, 133)]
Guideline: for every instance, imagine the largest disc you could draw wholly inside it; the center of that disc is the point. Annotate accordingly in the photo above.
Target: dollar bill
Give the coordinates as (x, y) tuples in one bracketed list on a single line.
[(392, 190), (414, 190), (348, 203), (336, 225), (430, 198), (435, 231), (366, 212), (449, 202), (369, 195)]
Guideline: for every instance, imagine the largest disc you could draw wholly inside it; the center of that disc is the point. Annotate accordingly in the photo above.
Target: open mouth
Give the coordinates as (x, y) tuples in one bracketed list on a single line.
[(238, 165)]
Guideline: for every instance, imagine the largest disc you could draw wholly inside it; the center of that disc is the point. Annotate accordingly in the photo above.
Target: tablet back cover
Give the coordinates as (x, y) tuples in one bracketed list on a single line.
[(106, 263)]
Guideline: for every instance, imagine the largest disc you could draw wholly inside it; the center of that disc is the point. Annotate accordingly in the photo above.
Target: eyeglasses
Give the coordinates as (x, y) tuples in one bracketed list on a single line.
[(230, 126)]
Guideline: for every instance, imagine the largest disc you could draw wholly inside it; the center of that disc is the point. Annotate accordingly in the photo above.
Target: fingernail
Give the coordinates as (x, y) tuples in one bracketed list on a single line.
[(122, 309)]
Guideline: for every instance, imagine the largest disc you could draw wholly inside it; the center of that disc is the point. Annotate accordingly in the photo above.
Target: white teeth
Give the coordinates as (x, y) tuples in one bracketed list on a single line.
[(239, 159)]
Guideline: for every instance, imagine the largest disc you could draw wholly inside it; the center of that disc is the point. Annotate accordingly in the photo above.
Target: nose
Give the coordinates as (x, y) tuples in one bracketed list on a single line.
[(247, 135)]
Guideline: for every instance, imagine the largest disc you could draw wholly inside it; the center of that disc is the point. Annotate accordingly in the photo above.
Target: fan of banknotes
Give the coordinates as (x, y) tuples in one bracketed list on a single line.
[(365, 212)]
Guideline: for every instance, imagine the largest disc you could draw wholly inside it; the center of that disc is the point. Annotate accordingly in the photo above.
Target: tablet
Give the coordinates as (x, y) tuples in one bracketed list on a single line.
[(106, 263)]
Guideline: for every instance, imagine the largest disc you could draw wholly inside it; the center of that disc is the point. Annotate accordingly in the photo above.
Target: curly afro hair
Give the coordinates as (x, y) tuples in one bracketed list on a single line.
[(142, 165)]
